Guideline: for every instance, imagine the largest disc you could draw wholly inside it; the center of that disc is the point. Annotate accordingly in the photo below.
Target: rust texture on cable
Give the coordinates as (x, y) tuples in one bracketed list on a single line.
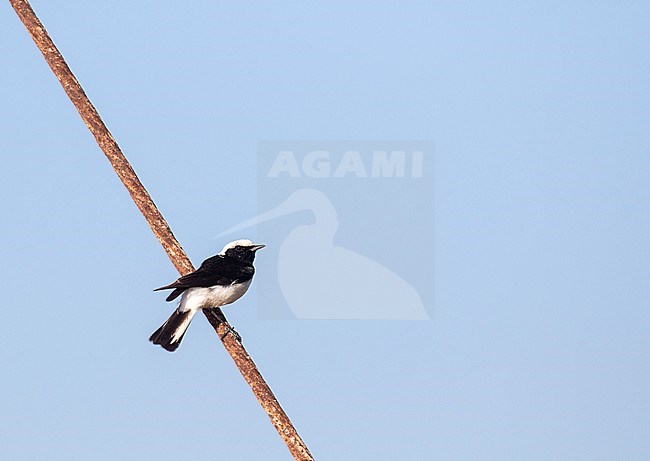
[(158, 225)]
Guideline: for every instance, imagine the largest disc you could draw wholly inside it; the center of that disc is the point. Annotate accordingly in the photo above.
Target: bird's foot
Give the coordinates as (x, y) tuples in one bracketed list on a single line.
[(230, 330)]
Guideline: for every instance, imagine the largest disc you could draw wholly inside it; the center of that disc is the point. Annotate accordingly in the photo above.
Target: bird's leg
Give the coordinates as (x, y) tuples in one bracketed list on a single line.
[(229, 329)]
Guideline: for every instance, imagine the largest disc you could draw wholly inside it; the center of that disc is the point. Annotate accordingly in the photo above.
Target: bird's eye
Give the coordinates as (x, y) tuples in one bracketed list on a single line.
[(238, 247)]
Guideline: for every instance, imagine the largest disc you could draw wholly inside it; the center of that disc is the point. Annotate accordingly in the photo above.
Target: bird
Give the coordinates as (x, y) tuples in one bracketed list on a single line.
[(221, 279)]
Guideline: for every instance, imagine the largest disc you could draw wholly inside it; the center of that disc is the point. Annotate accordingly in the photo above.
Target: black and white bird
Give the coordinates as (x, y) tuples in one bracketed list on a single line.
[(221, 280)]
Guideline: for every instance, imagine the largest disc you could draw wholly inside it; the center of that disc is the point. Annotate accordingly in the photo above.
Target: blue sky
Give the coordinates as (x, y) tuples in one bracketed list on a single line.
[(539, 345)]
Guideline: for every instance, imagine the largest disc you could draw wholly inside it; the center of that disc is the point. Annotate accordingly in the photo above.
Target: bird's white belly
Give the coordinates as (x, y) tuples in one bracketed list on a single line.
[(216, 296)]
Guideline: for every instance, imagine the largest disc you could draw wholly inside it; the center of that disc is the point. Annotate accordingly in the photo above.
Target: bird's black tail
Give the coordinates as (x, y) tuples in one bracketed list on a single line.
[(170, 334)]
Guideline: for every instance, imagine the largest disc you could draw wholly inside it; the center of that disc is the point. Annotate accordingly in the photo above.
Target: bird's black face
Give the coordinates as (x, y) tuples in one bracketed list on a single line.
[(244, 253)]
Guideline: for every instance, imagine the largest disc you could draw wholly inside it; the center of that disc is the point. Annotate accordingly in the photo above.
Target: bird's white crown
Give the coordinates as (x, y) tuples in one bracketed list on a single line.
[(242, 242)]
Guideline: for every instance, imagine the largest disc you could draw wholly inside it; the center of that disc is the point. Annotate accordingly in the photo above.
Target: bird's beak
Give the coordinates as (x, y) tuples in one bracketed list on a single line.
[(257, 247)]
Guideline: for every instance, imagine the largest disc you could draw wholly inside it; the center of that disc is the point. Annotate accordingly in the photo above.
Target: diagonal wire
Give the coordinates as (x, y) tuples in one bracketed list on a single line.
[(158, 225)]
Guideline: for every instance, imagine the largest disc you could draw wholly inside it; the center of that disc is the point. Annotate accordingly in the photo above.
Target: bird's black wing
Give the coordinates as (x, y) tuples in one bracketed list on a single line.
[(217, 270)]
